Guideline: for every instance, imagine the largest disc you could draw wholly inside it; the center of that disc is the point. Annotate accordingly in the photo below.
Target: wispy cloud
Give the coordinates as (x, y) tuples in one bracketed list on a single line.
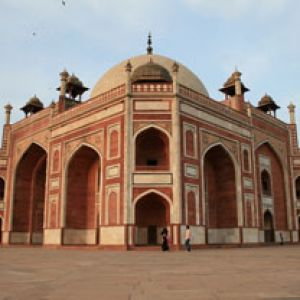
[(237, 8)]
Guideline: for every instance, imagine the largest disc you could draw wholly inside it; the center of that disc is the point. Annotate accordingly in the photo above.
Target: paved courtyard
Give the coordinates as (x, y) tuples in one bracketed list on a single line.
[(253, 273)]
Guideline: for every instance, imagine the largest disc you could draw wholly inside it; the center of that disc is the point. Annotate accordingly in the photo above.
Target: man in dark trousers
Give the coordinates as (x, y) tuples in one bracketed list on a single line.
[(188, 235)]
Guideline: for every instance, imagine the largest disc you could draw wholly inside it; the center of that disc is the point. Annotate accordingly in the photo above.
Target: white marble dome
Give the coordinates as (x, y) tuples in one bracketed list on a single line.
[(117, 76)]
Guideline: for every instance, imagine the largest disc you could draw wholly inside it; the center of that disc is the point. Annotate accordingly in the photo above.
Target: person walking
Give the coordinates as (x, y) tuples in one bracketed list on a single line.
[(165, 241), (188, 235)]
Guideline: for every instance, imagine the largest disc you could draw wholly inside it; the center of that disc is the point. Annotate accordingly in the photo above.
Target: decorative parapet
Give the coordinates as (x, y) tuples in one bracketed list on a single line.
[(152, 87), (31, 119), (91, 104), (213, 105), (270, 119)]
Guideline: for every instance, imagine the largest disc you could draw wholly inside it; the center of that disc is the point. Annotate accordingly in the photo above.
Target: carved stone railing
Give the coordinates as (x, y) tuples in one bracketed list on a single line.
[(152, 87)]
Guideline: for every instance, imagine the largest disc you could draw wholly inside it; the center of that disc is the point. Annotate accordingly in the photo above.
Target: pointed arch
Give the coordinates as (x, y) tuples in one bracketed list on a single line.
[(151, 214), (155, 191), (82, 187), (238, 191), (220, 187), (29, 196), (26, 149), (270, 144), (151, 126), (268, 160), (152, 149), (65, 177)]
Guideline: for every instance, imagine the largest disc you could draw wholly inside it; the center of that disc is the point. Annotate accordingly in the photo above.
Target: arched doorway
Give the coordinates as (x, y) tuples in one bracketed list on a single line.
[(220, 189), (152, 213), (82, 189), (2, 189), (152, 150), (29, 197), (268, 227), (297, 187)]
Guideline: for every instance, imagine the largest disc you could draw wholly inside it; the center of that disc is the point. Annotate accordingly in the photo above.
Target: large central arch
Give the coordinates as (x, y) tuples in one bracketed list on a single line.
[(82, 188), (29, 197), (266, 155), (220, 189), (152, 213)]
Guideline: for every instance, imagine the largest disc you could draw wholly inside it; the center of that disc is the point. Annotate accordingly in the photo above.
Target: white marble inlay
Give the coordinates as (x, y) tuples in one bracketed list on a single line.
[(113, 171), (248, 183), (152, 178), (191, 171)]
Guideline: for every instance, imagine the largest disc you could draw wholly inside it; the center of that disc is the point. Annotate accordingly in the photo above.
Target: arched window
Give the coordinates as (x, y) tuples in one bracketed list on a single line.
[(266, 183), (2, 186), (152, 150), (246, 160), (298, 188)]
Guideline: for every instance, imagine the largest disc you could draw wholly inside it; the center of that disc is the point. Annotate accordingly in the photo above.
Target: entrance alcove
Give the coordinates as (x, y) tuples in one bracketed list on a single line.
[(271, 184), (220, 196), (29, 197), (268, 227), (152, 214), (152, 150), (82, 187)]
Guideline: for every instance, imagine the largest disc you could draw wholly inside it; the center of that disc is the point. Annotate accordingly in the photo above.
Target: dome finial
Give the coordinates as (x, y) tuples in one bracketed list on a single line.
[(149, 48)]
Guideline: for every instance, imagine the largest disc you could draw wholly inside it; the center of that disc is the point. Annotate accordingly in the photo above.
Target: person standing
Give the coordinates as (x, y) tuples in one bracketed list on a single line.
[(165, 241), (281, 238), (188, 235)]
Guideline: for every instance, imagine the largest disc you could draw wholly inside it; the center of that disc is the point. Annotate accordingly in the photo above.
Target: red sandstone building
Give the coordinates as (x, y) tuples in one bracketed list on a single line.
[(149, 149)]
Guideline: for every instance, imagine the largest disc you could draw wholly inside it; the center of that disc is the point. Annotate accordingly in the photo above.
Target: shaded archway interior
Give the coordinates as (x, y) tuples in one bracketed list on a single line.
[(2, 188), (266, 183), (297, 185), (220, 189), (152, 150), (82, 188), (29, 195), (152, 213), (277, 186), (268, 227)]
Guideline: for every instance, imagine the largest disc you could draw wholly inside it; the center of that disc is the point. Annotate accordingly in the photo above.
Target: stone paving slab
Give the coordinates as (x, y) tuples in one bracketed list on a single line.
[(270, 273)]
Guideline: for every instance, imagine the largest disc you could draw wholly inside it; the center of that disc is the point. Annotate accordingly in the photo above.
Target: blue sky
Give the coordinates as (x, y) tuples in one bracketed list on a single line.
[(211, 37)]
